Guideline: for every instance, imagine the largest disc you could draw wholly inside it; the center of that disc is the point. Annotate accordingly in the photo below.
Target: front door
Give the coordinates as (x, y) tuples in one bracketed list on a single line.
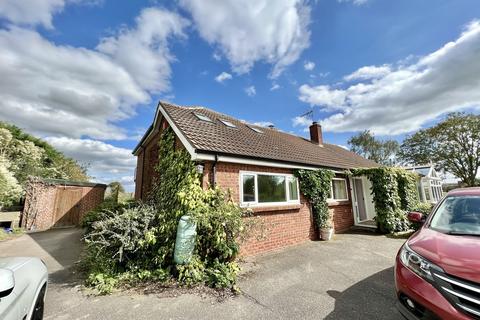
[(360, 199), (67, 207)]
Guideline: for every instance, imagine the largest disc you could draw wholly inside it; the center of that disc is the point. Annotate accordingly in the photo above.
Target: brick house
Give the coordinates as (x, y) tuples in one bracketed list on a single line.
[(256, 164)]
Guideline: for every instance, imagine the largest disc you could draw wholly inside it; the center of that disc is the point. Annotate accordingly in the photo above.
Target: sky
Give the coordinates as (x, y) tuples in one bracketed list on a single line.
[(86, 75)]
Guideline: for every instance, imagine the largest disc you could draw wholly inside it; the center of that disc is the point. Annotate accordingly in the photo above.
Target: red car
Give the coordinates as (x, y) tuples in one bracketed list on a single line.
[(437, 270)]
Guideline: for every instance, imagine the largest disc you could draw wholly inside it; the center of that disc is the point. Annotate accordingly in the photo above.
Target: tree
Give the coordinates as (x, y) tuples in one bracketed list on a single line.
[(10, 190), (30, 156), (380, 151), (453, 145), (115, 189)]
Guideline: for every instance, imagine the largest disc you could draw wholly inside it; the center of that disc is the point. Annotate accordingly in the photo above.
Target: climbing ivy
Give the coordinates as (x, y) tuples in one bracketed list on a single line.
[(137, 244), (316, 186), (394, 193)]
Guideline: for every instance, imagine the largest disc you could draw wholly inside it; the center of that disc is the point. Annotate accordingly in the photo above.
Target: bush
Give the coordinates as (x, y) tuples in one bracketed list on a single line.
[(423, 207), (106, 209), (135, 243), (394, 193)]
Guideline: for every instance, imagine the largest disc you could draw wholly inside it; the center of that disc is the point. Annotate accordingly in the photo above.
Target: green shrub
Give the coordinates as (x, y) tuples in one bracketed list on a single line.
[(423, 207), (316, 186), (107, 208), (135, 243), (223, 275), (394, 193)]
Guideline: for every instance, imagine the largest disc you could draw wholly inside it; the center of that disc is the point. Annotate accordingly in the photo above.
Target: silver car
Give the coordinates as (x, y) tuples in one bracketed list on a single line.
[(23, 285)]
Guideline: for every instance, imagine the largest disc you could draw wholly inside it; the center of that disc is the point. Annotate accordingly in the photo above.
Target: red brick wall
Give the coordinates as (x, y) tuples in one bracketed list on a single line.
[(342, 217), (146, 173), (342, 212), (41, 206), (282, 226)]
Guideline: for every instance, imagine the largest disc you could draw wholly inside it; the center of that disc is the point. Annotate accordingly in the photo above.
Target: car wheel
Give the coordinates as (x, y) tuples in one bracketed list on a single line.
[(39, 305)]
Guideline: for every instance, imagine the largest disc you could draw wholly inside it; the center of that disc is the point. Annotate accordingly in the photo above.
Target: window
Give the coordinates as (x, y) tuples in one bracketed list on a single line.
[(228, 123), (202, 117), (255, 129), (248, 188), (266, 188), (292, 188), (339, 189)]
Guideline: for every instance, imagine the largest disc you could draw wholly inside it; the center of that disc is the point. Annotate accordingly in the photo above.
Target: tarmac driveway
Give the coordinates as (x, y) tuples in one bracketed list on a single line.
[(348, 278)]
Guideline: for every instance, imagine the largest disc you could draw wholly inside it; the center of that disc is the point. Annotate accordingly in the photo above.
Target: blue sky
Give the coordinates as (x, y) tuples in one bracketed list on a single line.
[(86, 75)]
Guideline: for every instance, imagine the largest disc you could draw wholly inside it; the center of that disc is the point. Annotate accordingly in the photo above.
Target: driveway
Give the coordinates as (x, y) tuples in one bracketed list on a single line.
[(348, 278)]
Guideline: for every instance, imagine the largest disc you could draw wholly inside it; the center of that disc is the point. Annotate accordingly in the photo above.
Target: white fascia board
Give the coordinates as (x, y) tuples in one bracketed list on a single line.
[(178, 133), (253, 162)]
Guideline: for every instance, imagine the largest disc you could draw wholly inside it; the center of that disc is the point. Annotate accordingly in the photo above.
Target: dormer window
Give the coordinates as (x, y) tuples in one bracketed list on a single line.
[(202, 117), (255, 129), (227, 123)]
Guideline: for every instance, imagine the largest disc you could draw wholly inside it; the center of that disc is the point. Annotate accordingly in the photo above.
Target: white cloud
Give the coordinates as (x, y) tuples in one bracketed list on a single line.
[(308, 65), (31, 12), (50, 89), (369, 72), (275, 86), (249, 31), (36, 12), (263, 123), (410, 95), (250, 91), (223, 76), (355, 2), (106, 163), (323, 96), (143, 50), (301, 121)]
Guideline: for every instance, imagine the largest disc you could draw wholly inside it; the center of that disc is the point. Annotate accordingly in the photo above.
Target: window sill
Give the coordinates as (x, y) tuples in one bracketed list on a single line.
[(332, 203), (270, 208)]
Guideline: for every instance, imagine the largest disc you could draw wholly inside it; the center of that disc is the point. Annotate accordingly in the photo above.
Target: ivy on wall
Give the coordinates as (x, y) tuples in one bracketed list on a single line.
[(136, 243), (394, 193), (316, 187)]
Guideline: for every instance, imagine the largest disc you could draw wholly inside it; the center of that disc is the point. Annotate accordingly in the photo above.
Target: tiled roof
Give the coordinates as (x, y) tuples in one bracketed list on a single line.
[(242, 141)]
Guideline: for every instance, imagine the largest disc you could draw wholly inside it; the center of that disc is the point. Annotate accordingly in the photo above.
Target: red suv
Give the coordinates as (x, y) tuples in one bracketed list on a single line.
[(437, 270)]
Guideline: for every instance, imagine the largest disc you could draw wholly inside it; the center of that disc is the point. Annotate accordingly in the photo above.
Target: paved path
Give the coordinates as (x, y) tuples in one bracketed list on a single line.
[(348, 278)]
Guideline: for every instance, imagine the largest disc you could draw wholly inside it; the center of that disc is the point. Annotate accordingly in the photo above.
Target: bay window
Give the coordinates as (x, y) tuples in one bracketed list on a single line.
[(268, 188)]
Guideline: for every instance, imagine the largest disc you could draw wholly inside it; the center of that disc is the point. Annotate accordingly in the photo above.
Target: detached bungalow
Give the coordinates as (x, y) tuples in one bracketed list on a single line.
[(256, 164)]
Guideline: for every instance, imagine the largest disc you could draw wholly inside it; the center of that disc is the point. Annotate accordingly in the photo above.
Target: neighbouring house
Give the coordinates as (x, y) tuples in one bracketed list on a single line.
[(256, 164), (429, 183), (52, 203)]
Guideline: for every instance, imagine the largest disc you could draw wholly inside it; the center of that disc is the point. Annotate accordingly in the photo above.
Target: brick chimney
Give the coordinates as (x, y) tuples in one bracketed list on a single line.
[(316, 133)]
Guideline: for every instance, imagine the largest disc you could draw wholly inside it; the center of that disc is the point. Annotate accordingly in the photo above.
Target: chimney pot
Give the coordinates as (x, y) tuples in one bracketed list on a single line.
[(316, 133)]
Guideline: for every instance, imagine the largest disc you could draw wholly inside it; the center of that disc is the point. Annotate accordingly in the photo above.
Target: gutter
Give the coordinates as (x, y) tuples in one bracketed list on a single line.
[(214, 171), (143, 172)]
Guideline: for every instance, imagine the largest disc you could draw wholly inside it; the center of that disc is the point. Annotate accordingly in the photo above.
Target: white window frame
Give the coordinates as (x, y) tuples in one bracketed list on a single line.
[(267, 204), (331, 199)]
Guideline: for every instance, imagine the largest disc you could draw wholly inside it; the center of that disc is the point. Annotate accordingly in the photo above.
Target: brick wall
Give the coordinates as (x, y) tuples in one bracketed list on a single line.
[(282, 225), (147, 160), (39, 210), (342, 217)]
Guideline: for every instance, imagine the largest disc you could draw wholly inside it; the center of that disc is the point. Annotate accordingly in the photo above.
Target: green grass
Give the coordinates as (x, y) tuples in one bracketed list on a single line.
[(16, 233)]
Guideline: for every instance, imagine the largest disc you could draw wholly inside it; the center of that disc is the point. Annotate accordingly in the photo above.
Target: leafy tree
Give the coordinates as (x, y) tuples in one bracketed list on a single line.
[(30, 156), (10, 190), (116, 188), (453, 144), (380, 151)]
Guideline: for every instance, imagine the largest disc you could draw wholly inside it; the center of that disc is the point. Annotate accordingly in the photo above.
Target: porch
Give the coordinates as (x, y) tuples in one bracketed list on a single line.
[(362, 202)]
